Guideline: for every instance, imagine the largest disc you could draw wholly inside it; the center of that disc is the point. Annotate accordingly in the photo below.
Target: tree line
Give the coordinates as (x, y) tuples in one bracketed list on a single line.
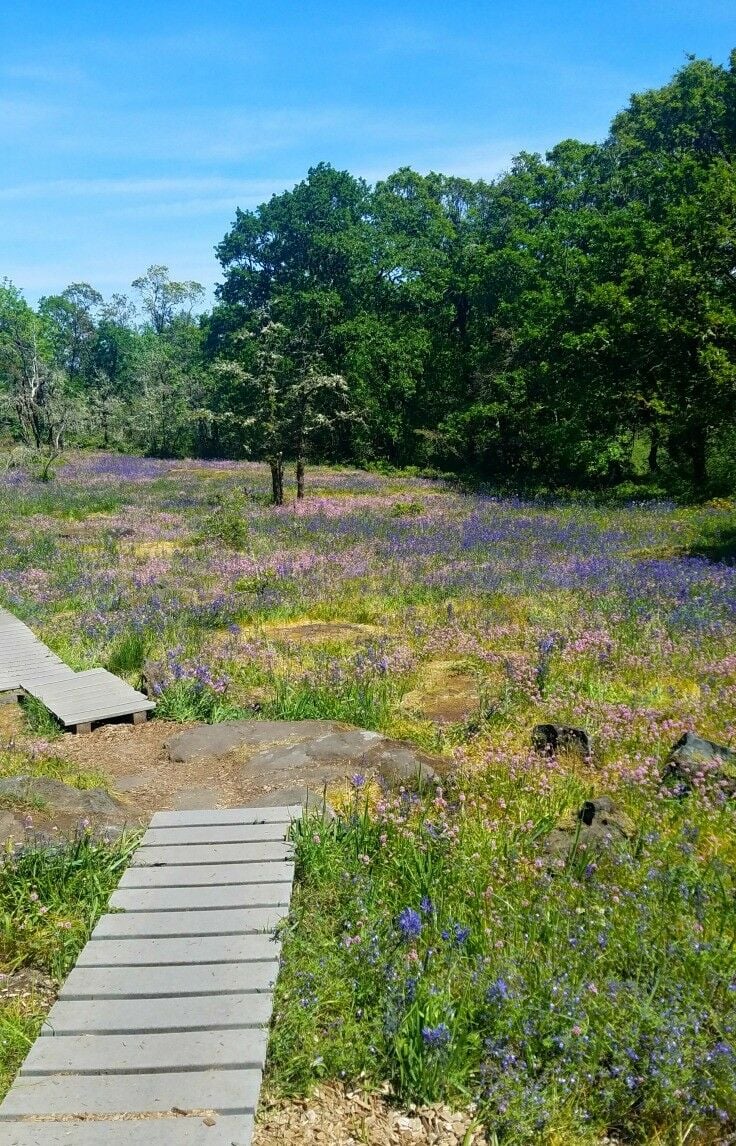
[(570, 323)]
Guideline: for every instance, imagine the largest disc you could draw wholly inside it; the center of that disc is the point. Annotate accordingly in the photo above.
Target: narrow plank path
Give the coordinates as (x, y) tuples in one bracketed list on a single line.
[(77, 699), (159, 1034)]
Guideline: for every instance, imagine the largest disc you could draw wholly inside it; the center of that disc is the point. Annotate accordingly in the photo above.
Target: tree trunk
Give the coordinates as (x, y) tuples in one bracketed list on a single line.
[(277, 479), (299, 478), (654, 441), (697, 451)]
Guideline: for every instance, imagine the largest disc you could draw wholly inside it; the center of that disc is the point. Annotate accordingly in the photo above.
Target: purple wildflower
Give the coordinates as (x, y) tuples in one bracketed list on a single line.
[(498, 992), (436, 1037), (409, 923)]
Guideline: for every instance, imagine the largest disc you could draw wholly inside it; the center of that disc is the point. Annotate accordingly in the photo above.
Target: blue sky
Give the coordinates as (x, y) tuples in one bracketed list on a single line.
[(129, 132)]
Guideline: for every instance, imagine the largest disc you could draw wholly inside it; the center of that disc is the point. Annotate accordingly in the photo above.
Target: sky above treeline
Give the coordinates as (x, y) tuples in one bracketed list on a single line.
[(130, 132)]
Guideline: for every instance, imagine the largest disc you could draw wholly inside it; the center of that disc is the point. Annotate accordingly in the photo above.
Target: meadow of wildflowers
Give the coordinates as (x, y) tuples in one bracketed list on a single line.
[(433, 942)]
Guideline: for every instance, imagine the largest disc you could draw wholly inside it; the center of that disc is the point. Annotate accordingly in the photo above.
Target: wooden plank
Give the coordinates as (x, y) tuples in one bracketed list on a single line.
[(164, 982), (147, 1054), (175, 924), (207, 874), (193, 854), (227, 1091), (172, 900), (178, 950), (197, 817), (136, 1016), (214, 834), (196, 1130)]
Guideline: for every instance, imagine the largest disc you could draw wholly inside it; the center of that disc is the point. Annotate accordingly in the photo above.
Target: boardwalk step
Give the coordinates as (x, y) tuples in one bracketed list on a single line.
[(225, 1091), (181, 854), (137, 1016), (149, 1053), (214, 834), (181, 951), (207, 874), (199, 899), (235, 1130), (162, 982), (170, 924)]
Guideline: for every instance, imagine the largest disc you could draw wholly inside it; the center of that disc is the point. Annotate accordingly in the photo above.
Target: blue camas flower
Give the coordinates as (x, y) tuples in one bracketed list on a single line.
[(436, 1037), (409, 923)]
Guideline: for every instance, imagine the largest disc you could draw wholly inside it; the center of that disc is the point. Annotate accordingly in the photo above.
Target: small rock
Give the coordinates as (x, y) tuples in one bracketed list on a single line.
[(399, 764), (694, 761), (598, 826), (554, 738)]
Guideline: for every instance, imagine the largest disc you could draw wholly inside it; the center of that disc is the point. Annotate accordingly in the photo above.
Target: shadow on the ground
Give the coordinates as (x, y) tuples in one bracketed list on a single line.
[(720, 546)]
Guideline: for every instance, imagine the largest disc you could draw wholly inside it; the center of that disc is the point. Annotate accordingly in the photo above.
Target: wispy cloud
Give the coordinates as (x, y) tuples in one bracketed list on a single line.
[(125, 188)]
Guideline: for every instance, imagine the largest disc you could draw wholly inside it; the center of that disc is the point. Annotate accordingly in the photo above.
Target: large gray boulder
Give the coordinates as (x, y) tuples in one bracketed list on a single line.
[(279, 755)]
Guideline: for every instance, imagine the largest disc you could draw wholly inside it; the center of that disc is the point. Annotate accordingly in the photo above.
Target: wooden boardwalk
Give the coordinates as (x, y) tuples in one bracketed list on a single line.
[(77, 699), (159, 1033)]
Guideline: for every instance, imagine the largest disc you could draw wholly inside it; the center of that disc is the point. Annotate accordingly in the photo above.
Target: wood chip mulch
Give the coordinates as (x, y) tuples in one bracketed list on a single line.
[(337, 1116)]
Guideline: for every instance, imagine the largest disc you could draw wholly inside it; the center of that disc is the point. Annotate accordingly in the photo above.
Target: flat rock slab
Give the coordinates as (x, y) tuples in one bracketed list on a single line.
[(287, 755), (167, 1008), (196, 797), (235, 1130), (446, 694), (322, 632), (63, 797)]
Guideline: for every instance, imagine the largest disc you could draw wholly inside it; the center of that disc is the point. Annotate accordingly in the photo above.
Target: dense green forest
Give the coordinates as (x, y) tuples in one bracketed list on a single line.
[(570, 324)]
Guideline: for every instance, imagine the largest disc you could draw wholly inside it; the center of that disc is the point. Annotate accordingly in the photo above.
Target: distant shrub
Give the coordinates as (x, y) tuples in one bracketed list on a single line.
[(228, 523), (406, 509)]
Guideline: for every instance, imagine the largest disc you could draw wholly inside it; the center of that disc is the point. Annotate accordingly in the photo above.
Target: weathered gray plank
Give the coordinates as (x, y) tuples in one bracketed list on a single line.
[(197, 817), (180, 951), (92, 716), (193, 854), (163, 982), (231, 1130), (173, 900), (189, 1013), (206, 874), (171, 924), (214, 834), (147, 1054), (228, 1091)]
